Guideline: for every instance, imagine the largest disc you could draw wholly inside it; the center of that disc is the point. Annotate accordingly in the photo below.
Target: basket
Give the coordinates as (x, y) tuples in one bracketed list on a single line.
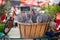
[(32, 30)]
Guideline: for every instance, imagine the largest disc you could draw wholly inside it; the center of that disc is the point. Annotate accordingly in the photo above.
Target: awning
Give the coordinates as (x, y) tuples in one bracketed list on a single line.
[(30, 2), (34, 2)]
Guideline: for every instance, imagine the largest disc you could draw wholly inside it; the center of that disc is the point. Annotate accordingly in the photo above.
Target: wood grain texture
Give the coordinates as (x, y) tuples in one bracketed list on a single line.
[(34, 30), (22, 30), (38, 30), (28, 27)]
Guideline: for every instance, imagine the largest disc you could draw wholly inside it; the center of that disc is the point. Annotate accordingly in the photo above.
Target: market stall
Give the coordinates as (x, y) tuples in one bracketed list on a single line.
[(31, 22)]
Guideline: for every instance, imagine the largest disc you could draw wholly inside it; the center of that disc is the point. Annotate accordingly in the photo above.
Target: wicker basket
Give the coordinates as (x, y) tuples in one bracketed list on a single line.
[(34, 30)]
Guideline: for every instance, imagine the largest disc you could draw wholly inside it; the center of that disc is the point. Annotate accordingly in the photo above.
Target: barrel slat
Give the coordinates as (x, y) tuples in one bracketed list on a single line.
[(38, 30), (42, 30), (22, 30), (28, 27), (33, 30)]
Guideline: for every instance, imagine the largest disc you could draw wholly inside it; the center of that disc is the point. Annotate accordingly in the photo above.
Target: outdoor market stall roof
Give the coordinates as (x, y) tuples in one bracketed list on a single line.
[(34, 2), (29, 2)]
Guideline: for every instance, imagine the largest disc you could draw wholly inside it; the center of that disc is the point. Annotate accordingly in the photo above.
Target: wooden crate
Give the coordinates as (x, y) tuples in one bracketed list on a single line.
[(34, 30)]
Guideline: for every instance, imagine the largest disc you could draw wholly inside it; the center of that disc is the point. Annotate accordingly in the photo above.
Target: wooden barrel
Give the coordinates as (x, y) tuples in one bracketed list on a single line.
[(34, 30)]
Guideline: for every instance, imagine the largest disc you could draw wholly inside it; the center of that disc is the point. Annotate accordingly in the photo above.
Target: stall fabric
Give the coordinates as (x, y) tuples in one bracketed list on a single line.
[(34, 2), (3, 17), (29, 2), (58, 21)]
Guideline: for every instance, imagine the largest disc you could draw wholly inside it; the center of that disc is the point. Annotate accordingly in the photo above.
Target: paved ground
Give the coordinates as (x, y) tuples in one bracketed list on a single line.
[(16, 39), (14, 33)]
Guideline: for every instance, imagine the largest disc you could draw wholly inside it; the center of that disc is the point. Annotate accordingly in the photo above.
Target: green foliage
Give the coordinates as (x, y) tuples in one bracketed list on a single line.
[(52, 10), (8, 5), (57, 8), (42, 7), (3, 7), (1, 27)]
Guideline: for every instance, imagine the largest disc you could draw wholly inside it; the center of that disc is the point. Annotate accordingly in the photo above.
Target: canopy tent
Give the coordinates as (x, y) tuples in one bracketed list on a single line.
[(34, 2), (29, 2)]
